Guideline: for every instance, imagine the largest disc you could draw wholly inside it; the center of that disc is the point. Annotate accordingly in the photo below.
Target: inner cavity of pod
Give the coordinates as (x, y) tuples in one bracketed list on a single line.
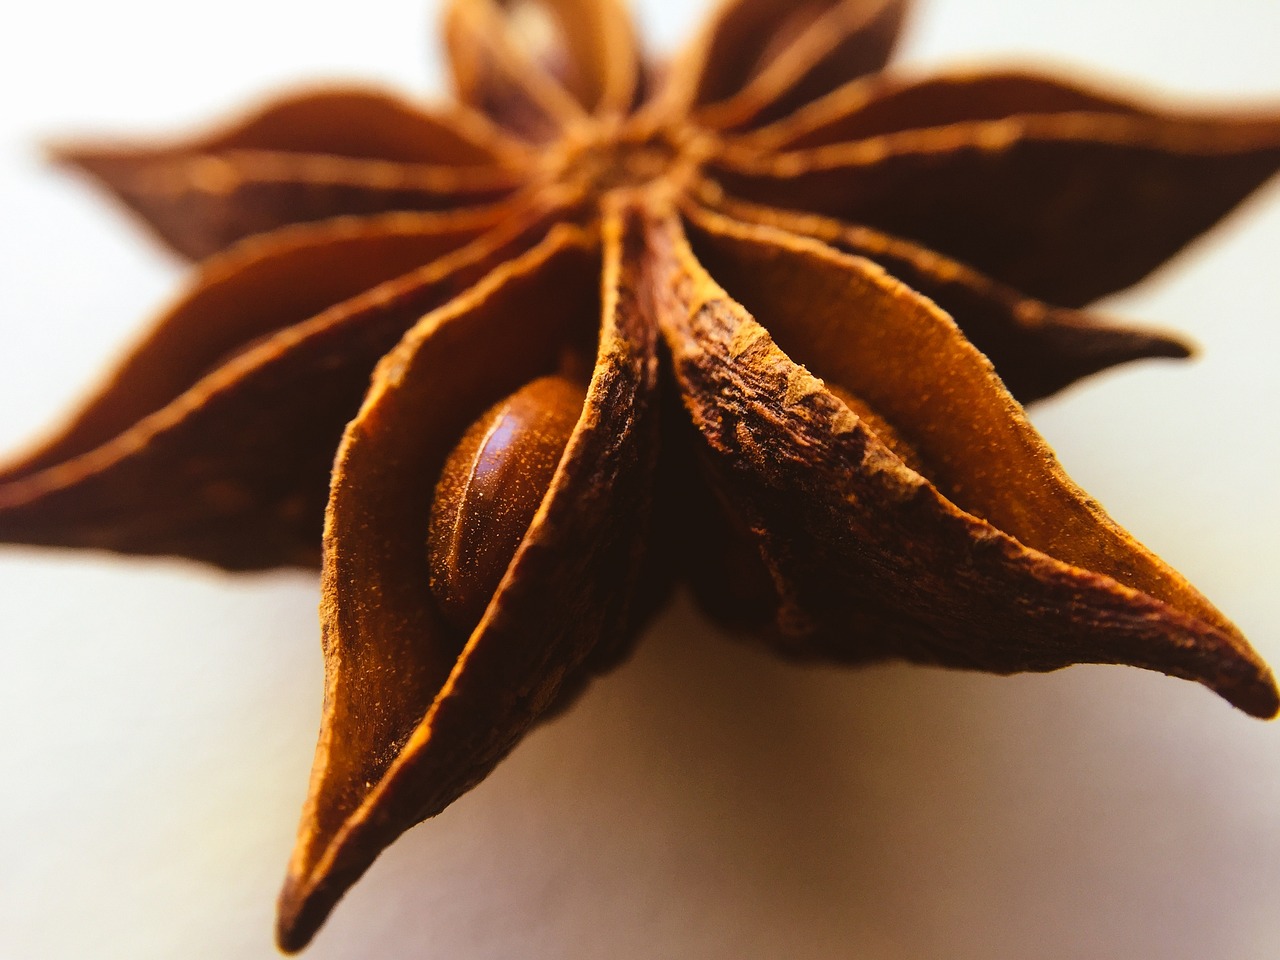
[(473, 361), (896, 351), (885, 353), (878, 425), (792, 309), (539, 34)]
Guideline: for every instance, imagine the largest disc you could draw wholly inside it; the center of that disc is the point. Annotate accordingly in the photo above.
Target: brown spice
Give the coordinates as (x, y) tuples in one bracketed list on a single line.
[(489, 490), (815, 262)]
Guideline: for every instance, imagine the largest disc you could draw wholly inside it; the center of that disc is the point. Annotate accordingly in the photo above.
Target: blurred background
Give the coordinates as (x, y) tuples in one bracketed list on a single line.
[(157, 720)]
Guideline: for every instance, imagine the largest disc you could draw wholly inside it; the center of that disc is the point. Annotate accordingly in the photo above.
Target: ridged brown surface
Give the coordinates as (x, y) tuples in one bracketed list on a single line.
[(828, 286)]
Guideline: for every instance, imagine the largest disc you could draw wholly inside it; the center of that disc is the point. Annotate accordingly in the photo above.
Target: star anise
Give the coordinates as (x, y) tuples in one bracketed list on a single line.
[(805, 271)]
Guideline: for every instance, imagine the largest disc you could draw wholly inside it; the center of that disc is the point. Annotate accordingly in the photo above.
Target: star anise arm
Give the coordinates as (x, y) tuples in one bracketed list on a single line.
[(215, 437), (417, 710), (306, 157), (1036, 348), (891, 102), (905, 507), (759, 60), (540, 67), (1066, 207), (262, 285)]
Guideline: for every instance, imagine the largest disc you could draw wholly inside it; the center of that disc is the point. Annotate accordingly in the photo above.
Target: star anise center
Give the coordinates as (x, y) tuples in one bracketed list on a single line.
[(601, 157)]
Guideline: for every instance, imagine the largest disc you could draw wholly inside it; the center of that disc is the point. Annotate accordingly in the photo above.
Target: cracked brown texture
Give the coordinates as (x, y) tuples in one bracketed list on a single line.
[(815, 289)]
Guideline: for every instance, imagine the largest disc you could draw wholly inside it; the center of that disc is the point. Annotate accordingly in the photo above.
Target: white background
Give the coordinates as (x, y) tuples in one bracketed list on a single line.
[(157, 719)]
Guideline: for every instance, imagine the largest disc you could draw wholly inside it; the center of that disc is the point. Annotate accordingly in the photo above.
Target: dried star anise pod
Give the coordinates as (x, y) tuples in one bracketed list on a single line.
[(823, 284)]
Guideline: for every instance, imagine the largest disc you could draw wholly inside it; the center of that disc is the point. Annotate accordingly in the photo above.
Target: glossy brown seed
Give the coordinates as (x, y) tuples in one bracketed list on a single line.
[(490, 489)]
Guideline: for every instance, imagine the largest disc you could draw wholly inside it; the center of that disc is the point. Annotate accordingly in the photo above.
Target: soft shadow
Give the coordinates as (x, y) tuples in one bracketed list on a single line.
[(708, 801)]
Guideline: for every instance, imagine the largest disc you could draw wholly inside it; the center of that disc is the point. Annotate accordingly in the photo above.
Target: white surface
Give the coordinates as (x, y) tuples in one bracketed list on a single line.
[(703, 802)]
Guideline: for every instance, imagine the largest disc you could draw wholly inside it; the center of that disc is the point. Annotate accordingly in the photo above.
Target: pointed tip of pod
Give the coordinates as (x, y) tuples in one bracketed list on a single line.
[(292, 934), (81, 156), (1223, 661), (1256, 696), (301, 909), (1106, 345), (1220, 659), (60, 152), (1150, 344)]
